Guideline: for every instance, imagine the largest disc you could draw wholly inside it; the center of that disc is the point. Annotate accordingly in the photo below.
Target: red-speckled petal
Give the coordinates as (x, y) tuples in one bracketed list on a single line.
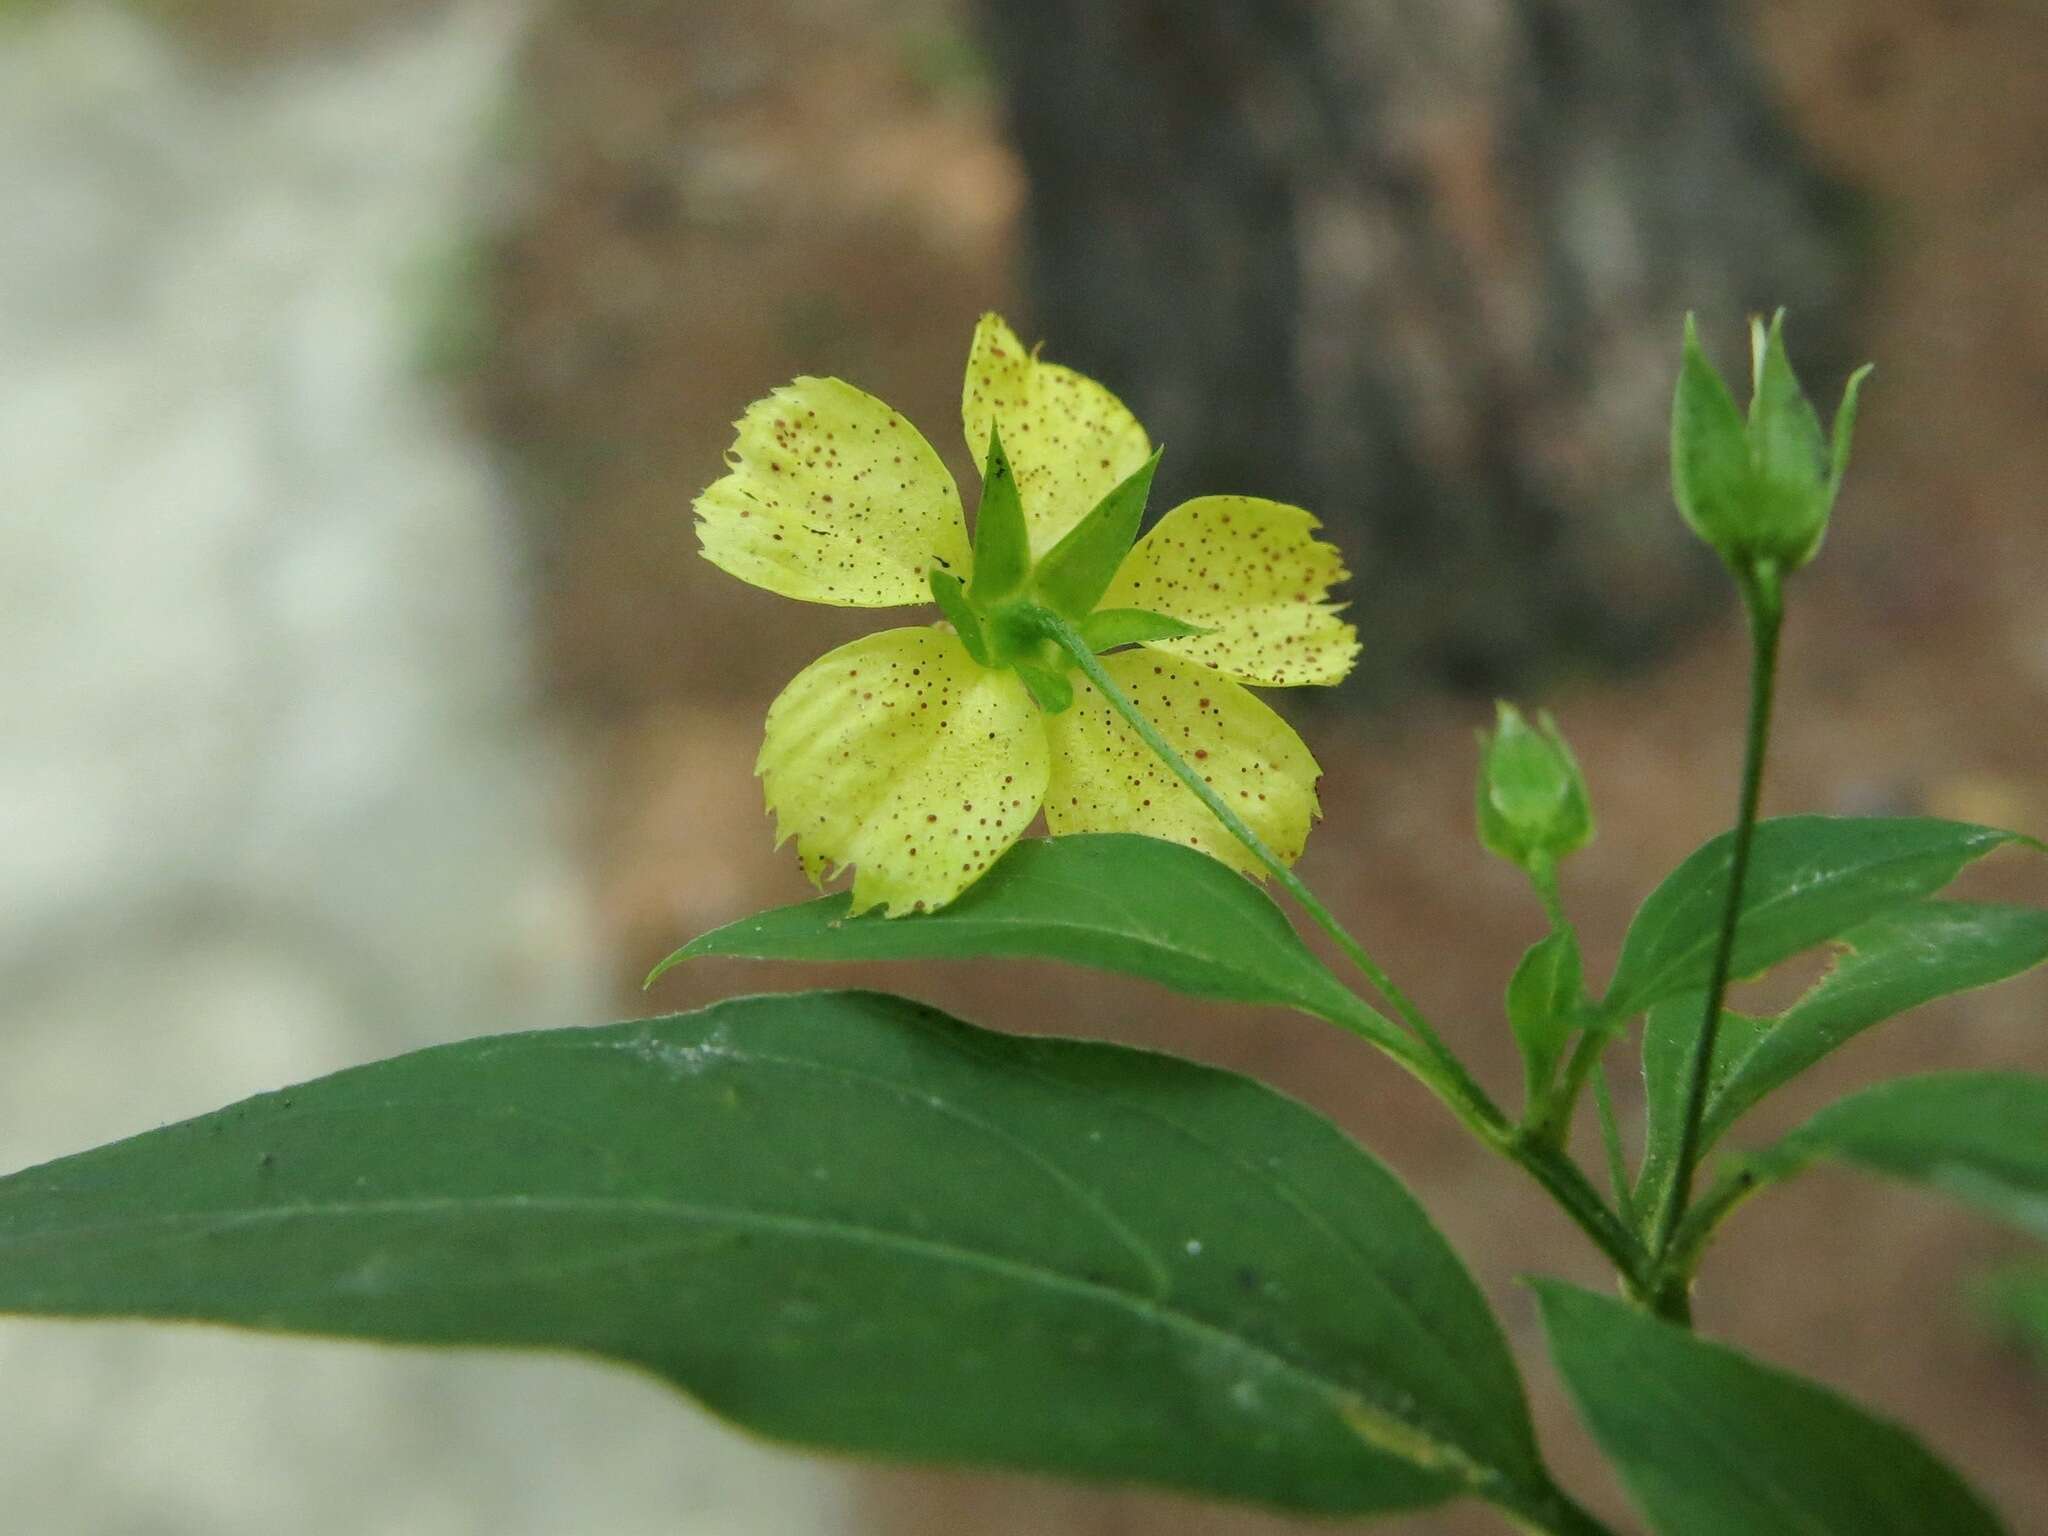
[(1069, 440), (904, 757), (1104, 779), (833, 498), (1255, 576)]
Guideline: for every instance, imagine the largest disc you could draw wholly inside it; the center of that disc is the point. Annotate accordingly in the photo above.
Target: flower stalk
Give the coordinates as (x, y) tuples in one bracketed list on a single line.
[(1424, 1053), (1763, 599)]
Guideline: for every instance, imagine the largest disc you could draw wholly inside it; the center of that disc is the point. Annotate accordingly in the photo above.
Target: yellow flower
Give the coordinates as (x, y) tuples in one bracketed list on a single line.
[(919, 755)]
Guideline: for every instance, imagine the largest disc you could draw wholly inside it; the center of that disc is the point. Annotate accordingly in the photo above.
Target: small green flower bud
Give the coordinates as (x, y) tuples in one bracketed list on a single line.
[(1532, 800), (1762, 488)]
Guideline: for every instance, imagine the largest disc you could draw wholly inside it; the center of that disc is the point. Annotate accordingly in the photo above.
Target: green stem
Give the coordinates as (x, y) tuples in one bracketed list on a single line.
[(1063, 634), (1763, 597), (1689, 1243), (1610, 1137), (1553, 1122), (1427, 1057)]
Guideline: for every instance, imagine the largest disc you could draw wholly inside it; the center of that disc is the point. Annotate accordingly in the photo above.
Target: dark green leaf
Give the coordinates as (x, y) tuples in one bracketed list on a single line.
[(1981, 1137), (2016, 1298), (1669, 1034), (1893, 963), (1108, 628), (1111, 900), (1002, 542), (1811, 879), (1712, 1443), (1544, 1000), (1078, 570), (844, 1220)]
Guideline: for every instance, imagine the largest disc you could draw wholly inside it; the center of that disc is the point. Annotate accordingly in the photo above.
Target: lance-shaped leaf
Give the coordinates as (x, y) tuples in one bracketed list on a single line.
[(1980, 1137), (1890, 964), (1118, 902), (848, 1221), (1544, 1003), (1713, 1443), (1811, 879)]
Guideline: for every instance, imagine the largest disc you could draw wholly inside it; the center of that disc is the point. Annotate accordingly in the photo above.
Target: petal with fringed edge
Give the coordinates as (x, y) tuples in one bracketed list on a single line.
[(902, 756), (1104, 779), (1069, 440), (832, 497), (1255, 576)]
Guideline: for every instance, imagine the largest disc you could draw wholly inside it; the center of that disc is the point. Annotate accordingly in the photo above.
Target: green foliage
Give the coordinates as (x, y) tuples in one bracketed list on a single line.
[(1112, 901), (846, 1220), (1546, 1002), (1811, 879), (1890, 964), (1669, 1035), (2015, 1301), (1979, 1137), (1713, 1444)]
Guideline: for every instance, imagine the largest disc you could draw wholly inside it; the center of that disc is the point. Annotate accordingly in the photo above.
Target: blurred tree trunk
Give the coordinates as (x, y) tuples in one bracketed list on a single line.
[(1419, 265)]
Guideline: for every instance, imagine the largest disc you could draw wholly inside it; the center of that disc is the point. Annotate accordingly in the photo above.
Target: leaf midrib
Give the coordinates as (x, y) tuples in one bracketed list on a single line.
[(1347, 1403)]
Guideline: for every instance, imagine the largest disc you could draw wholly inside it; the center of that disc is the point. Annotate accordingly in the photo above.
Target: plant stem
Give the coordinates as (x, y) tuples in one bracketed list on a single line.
[(1689, 1243), (1427, 1057), (1553, 1123), (1763, 597), (1610, 1137)]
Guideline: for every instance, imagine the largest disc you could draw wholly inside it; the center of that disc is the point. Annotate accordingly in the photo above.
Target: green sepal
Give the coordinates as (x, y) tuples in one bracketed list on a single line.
[(1761, 488), (1002, 543), (1845, 428), (1709, 445), (951, 597), (1790, 493), (1051, 688), (1532, 807), (1078, 570), (1109, 628)]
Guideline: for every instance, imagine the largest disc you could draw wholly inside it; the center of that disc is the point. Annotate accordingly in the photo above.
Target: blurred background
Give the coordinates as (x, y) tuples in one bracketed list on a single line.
[(360, 686)]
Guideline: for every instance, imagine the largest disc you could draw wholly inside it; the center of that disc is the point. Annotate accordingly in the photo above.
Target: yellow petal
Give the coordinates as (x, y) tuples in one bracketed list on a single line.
[(900, 755), (1104, 779), (1254, 574), (1069, 440), (833, 498)]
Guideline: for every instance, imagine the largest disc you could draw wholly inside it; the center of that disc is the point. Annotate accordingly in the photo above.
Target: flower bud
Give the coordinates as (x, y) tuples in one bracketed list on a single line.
[(1762, 488), (1532, 800)]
